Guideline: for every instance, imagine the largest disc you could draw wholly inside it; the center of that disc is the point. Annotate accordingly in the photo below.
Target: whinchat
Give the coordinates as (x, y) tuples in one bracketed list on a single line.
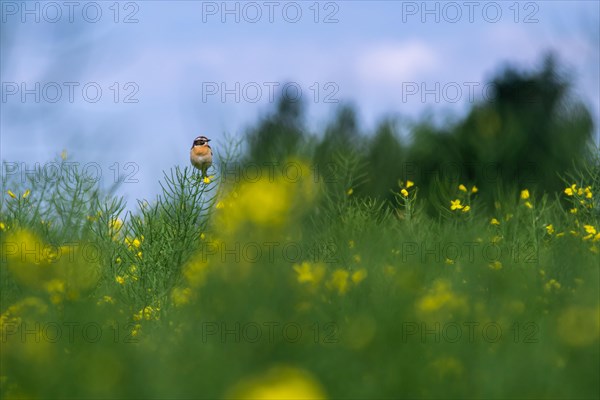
[(201, 154)]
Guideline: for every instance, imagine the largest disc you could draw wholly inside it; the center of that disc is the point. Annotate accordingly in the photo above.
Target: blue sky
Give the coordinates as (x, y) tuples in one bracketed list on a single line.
[(175, 57)]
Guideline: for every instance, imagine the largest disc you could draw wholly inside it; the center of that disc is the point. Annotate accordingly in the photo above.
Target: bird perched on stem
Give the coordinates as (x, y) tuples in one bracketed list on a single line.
[(201, 154)]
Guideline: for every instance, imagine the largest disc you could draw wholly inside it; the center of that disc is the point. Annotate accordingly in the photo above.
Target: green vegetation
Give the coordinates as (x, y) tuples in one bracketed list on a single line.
[(338, 273)]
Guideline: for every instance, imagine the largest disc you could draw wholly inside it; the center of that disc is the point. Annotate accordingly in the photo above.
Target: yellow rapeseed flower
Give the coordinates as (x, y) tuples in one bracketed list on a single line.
[(404, 192), (590, 229), (573, 210), (455, 205), (181, 296), (309, 273), (339, 281), (206, 180), (26, 194), (528, 204), (281, 382), (11, 194), (568, 191), (550, 229), (474, 189), (120, 280), (494, 221), (2, 226), (462, 188), (409, 184), (350, 191), (359, 276), (496, 265), (588, 192), (524, 194), (466, 209)]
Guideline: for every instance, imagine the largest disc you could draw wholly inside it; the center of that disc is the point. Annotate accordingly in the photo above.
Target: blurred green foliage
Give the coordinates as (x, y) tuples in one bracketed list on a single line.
[(529, 131)]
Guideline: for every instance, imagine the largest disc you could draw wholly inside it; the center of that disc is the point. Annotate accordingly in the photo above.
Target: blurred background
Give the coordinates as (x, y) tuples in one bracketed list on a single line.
[(125, 87)]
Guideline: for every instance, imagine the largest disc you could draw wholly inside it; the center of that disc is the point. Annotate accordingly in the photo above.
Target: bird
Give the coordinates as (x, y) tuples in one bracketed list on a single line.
[(201, 154)]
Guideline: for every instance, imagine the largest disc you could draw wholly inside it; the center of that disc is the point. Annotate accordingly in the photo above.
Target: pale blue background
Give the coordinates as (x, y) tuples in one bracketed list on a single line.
[(369, 54)]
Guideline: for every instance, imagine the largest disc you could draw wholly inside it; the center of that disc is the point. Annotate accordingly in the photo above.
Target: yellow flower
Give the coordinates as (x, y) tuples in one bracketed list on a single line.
[(569, 191), (181, 296), (350, 191), (120, 280), (466, 209), (359, 276), (206, 180), (409, 184), (2, 226), (552, 284), (202, 236), (590, 229), (462, 188), (107, 300), (588, 192), (404, 192), (496, 265), (573, 210), (11, 194), (309, 273), (339, 281), (528, 204), (550, 229), (474, 189), (455, 205), (524, 194), (494, 221), (281, 382), (26, 194)]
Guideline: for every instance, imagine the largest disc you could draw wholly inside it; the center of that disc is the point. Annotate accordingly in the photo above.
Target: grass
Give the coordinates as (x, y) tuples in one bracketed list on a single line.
[(295, 287)]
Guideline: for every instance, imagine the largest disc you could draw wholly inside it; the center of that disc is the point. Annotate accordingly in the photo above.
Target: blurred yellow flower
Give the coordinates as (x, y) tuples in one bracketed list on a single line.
[(474, 189), (11, 194), (339, 281), (350, 191), (496, 265), (309, 273), (439, 297), (206, 180), (278, 383), (573, 210), (552, 284), (494, 221), (359, 275), (2, 226), (528, 204), (26, 194), (404, 192), (409, 184), (568, 191), (181, 296), (524, 194), (120, 280), (550, 229), (462, 188), (466, 209)]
